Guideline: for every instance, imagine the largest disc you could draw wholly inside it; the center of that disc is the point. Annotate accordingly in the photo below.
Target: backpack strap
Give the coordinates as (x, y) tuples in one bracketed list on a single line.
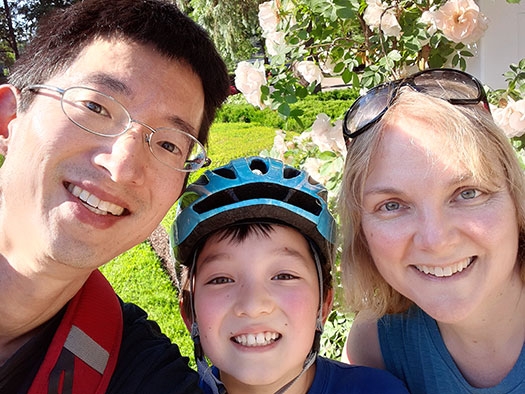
[(84, 351)]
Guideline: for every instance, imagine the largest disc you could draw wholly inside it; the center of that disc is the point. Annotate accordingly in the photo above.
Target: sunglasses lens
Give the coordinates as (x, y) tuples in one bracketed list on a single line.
[(368, 108), (450, 85)]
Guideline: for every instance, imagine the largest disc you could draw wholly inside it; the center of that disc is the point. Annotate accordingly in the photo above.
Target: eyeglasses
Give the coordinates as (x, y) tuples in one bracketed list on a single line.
[(454, 86), (102, 115)]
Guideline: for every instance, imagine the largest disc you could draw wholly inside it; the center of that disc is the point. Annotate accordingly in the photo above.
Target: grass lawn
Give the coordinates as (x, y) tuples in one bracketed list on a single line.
[(137, 275)]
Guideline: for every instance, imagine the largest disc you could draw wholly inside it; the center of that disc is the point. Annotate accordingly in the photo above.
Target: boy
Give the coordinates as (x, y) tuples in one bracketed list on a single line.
[(255, 241)]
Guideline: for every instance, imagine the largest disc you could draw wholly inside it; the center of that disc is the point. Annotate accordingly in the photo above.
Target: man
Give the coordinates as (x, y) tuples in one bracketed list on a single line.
[(104, 116)]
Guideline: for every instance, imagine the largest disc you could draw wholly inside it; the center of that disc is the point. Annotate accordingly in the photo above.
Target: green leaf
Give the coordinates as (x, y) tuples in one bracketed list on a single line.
[(284, 109)]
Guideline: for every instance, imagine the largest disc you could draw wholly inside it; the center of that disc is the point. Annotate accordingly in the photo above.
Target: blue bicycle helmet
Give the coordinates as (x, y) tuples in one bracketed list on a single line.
[(252, 189)]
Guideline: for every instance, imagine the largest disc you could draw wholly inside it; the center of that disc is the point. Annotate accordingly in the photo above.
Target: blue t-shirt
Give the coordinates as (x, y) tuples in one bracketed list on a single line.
[(334, 377), (414, 351)]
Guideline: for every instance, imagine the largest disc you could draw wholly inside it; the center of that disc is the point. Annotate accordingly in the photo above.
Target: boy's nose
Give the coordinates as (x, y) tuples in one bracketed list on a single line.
[(253, 300)]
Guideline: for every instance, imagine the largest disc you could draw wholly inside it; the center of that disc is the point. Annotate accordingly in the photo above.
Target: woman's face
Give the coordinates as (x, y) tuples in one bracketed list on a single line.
[(435, 234)]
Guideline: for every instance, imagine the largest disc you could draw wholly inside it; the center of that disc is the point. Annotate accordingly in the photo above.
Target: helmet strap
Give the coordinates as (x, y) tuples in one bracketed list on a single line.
[(203, 368)]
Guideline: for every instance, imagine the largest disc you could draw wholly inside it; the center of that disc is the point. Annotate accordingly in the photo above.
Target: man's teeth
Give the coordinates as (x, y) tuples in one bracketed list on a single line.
[(95, 204), (445, 271), (260, 339)]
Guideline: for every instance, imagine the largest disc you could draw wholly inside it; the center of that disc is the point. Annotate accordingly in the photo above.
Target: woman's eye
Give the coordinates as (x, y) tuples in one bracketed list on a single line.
[(390, 206), (469, 194)]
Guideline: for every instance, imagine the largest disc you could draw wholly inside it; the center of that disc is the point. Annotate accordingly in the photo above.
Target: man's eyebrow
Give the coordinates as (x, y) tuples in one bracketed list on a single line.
[(117, 86), (108, 81), (180, 124)]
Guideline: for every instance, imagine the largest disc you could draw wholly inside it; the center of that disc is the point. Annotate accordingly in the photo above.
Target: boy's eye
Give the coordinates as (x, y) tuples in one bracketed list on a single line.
[(220, 280), (284, 276)]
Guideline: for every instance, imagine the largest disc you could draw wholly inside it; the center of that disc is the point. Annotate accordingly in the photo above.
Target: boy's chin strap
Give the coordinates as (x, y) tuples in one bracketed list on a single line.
[(203, 368), (310, 360)]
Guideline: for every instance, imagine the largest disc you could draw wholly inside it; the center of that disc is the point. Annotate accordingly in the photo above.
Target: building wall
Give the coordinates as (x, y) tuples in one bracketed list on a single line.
[(502, 44)]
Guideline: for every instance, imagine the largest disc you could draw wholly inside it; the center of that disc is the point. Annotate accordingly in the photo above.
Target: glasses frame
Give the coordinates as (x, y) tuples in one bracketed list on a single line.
[(396, 85), (194, 165)]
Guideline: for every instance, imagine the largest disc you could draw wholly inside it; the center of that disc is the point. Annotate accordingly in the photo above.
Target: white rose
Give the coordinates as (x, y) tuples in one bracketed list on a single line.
[(274, 41), (375, 16), (268, 18), (311, 165), (248, 80), (327, 137), (309, 71), (511, 118), (461, 21), (427, 18), (517, 117)]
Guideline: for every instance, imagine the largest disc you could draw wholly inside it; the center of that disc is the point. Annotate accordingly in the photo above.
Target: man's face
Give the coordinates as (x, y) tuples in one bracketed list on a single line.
[(82, 199)]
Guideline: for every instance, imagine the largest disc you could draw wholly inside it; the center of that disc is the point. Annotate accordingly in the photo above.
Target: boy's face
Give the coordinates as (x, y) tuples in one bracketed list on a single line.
[(256, 304)]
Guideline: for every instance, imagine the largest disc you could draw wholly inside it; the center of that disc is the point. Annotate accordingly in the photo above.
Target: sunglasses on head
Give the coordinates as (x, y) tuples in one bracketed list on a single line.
[(456, 87)]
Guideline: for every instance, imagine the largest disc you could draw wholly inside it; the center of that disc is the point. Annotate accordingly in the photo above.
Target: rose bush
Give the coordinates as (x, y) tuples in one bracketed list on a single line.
[(364, 43)]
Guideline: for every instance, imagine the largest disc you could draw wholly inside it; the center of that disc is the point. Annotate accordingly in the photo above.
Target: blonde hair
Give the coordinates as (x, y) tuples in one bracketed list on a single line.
[(480, 145)]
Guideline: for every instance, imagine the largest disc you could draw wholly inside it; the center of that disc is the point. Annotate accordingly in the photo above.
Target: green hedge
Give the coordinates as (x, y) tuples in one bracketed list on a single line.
[(333, 103)]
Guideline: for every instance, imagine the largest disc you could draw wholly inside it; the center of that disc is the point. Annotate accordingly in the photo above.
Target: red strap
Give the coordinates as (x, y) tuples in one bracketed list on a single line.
[(84, 351)]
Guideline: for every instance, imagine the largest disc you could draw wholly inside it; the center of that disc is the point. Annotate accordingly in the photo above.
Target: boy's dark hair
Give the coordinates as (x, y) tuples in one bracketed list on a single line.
[(237, 233), (66, 32)]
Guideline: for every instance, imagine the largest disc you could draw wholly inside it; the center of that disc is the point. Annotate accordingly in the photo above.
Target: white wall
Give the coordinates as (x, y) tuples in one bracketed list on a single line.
[(502, 44)]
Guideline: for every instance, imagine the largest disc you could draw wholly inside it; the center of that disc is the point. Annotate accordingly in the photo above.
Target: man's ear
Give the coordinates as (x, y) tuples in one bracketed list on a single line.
[(187, 319), (327, 304), (8, 105)]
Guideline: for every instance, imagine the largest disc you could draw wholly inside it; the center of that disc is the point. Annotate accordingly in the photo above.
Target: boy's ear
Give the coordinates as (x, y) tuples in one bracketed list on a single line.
[(8, 105), (327, 304)]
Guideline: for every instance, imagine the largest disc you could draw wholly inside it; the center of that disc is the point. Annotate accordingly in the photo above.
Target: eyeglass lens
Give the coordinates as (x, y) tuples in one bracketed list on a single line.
[(448, 85), (102, 115)]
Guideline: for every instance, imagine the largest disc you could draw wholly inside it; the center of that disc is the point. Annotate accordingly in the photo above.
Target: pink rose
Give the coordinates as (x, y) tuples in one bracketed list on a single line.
[(460, 21)]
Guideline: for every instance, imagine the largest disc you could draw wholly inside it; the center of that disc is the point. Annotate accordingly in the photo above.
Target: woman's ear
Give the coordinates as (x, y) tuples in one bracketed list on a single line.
[(327, 304), (8, 106)]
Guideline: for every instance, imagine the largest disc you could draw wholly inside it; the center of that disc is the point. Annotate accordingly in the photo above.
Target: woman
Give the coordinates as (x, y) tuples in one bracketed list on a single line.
[(433, 218)]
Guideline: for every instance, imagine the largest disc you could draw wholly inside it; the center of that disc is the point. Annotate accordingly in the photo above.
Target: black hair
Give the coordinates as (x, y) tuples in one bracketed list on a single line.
[(64, 33)]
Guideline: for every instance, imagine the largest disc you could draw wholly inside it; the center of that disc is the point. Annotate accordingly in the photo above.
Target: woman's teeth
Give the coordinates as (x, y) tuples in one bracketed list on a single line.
[(445, 271)]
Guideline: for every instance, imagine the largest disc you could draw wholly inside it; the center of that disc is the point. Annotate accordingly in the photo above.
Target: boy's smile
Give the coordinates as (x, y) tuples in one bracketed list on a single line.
[(256, 340)]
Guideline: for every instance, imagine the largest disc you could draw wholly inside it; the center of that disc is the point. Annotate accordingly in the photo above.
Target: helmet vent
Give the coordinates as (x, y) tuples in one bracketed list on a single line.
[(258, 167), (294, 197), (225, 173), (290, 173)]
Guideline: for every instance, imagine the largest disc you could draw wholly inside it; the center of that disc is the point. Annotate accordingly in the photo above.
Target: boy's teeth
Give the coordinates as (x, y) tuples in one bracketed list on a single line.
[(260, 339), (94, 203)]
